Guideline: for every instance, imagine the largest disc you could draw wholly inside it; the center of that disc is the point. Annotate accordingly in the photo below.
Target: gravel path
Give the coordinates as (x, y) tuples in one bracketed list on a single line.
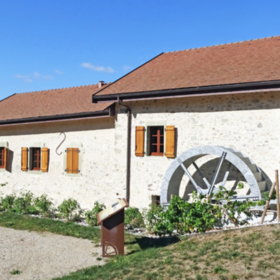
[(43, 255)]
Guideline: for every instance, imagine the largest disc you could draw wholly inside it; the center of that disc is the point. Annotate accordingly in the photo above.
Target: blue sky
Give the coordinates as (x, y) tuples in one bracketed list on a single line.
[(46, 44)]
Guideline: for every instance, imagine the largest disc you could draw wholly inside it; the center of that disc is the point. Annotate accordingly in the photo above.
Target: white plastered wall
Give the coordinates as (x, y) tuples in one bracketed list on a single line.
[(95, 138), (249, 123)]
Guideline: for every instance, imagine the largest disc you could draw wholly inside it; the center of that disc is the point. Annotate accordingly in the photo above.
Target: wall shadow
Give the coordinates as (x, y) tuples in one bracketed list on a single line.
[(148, 242), (10, 160), (57, 127), (203, 104)]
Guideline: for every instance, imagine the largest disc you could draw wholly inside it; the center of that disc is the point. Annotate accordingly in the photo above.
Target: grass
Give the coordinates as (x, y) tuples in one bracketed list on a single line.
[(15, 272), (229, 255), (250, 253), (15, 221)]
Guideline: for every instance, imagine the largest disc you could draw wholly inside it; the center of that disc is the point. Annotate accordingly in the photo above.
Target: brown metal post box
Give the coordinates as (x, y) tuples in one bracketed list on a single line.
[(112, 229)]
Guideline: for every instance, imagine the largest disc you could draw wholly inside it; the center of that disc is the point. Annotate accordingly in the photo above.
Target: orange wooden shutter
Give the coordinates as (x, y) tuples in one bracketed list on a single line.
[(5, 158), (170, 141), (24, 159), (44, 159), (75, 161), (139, 141), (69, 156)]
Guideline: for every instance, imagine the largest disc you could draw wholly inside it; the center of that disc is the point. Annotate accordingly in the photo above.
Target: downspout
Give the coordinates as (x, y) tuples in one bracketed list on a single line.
[(128, 153)]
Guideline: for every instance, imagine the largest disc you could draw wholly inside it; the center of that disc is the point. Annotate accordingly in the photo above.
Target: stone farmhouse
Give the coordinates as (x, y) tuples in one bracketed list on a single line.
[(131, 137)]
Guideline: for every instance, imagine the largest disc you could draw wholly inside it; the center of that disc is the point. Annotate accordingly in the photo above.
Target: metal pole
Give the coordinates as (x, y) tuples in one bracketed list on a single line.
[(277, 194), (226, 175), (189, 175), (201, 175), (267, 203), (217, 172), (128, 155)]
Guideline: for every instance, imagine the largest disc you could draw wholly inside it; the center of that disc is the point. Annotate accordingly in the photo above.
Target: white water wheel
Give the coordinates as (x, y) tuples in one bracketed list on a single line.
[(258, 181)]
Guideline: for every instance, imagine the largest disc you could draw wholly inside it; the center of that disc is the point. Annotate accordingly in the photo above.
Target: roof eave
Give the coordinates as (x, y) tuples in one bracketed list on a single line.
[(108, 112), (194, 91)]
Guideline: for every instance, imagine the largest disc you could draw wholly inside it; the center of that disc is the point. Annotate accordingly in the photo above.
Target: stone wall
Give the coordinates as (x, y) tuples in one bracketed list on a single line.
[(248, 123), (95, 180)]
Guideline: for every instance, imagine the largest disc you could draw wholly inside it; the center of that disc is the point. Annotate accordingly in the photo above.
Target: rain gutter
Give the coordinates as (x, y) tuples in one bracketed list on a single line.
[(190, 92), (128, 151)]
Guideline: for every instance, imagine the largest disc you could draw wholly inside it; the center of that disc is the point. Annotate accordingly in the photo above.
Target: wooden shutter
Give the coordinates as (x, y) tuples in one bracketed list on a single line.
[(72, 160), (69, 160), (24, 159), (6, 152), (170, 141), (44, 159), (75, 160), (139, 141)]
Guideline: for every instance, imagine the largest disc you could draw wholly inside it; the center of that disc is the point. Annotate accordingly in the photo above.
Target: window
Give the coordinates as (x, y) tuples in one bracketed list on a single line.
[(4, 151), (72, 160), (161, 141), (156, 140), (35, 160), (2, 157)]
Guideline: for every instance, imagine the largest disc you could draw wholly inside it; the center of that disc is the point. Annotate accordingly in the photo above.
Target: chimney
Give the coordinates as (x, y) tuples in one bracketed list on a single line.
[(100, 84)]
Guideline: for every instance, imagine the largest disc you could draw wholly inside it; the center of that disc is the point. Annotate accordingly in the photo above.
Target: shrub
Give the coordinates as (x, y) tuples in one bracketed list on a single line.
[(187, 217), (133, 217), (91, 215), (152, 216), (200, 216), (23, 204), (44, 205), (70, 209), (7, 202)]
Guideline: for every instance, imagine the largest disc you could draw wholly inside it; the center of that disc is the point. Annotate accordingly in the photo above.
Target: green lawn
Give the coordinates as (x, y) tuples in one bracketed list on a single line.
[(22, 222), (249, 253)]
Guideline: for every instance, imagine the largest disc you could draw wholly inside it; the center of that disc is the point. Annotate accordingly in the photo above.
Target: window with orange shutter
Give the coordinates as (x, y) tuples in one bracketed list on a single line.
[(161, 141), (34, 159), (72, 160)]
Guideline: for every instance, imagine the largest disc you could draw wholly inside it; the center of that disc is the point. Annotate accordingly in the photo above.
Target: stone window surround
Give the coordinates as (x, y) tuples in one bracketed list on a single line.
[(147, 137), (37, 144), (4, 144), (73, 144)]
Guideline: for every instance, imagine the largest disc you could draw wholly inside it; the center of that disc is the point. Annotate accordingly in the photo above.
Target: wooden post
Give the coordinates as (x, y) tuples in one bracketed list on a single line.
[(277, 194), (267, 203)]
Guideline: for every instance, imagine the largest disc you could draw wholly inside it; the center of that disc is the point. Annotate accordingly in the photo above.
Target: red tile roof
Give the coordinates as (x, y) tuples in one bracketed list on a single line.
[(241, 62), (50, 103)]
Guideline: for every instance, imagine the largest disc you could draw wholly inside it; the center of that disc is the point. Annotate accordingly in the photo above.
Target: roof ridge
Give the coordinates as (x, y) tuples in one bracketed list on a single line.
[(59, 88), (238, 42)]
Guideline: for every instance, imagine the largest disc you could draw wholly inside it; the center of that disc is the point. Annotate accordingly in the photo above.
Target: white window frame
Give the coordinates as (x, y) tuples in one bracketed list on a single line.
[(147, 137)]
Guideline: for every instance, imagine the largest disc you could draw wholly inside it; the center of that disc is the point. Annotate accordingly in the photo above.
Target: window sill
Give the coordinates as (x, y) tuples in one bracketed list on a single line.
[(72, 174), (38, 172), (2, 169)]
